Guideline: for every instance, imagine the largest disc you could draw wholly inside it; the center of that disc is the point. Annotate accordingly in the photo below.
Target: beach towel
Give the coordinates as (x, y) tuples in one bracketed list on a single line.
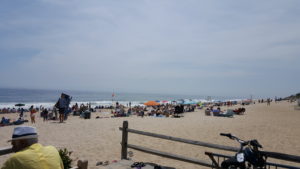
[(228, 113)]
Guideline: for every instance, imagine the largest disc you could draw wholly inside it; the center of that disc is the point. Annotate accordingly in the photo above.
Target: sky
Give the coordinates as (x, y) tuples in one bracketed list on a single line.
[(223, 48)]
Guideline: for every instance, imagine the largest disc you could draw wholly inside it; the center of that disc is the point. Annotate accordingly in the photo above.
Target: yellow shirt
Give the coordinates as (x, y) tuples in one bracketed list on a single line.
[(35, 157)]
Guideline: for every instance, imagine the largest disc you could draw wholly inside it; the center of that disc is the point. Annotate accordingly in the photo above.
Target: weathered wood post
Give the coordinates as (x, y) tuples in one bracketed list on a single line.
[(124, 140), (82, 164)]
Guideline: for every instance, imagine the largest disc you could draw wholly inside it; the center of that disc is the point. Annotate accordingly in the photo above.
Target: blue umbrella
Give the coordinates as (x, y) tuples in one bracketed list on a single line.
[(180, 101), (186, 102)]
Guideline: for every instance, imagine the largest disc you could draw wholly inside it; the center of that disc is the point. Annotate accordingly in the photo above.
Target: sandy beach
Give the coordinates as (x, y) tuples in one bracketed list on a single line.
[(276, 127)]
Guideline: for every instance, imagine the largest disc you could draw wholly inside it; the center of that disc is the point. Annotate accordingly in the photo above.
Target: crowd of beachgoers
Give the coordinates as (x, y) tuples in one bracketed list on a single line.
[(166, 110), (120, 110)]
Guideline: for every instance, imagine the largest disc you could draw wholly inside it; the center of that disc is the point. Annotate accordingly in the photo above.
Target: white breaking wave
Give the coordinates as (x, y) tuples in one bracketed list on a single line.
[(93, 104)]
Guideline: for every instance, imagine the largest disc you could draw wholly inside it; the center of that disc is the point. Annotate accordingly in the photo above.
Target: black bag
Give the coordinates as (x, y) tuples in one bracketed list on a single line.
[(57, 104)]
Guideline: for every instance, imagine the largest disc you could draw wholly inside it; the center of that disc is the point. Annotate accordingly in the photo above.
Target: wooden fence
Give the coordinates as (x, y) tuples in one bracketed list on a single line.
[(125, 130)]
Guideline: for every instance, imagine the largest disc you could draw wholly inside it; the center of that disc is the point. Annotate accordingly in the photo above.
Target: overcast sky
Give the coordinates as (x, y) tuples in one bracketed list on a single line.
[(223, 48)]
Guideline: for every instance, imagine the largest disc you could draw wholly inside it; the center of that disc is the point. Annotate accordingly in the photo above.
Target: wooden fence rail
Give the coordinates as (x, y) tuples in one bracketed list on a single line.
[(125, 145), (182, 140), (6, 150), (169, 155)]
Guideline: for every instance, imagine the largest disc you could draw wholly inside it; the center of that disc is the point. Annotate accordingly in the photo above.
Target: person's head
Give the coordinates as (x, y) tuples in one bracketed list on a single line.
[(18, 145), (23, 137)]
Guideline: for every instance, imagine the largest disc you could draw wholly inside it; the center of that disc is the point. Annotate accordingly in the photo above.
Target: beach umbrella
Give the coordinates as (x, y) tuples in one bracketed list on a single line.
[(151, 103), (165, 101), (186, 102), (20, 104), (180, 101)]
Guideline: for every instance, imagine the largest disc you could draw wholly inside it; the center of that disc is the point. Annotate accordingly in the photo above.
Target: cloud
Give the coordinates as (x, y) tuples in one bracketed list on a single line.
[(132, 45)]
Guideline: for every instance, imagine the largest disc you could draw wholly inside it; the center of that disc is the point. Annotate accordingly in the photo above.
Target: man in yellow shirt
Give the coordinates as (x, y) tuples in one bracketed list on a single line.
[(29, 153)]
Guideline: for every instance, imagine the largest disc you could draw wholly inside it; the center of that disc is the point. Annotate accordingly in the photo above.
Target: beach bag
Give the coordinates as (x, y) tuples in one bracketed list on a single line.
[(68, 98)]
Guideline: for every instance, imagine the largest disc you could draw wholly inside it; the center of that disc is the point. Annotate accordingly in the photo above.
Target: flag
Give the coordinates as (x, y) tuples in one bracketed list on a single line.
[(113, 95)]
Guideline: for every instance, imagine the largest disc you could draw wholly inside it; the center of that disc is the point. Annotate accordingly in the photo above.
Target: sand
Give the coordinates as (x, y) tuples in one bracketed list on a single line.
[(276, 127)]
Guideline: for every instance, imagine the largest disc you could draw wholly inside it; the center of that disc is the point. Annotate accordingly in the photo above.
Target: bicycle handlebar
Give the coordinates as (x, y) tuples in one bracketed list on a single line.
[(242, 142), (229, 135), (226, 134)]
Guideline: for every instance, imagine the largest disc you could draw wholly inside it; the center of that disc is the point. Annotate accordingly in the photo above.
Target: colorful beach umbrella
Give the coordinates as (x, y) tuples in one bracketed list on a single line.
[(199, 103), (180, 101), (187, 102), (165, 101), (151, 103)]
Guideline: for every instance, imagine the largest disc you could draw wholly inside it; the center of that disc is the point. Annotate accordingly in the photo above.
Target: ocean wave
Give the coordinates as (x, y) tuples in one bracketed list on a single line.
[(51, 104)]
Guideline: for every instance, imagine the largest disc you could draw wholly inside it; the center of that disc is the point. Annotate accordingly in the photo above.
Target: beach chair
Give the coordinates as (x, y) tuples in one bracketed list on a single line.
[(228, 113), (207, 112), (239, 111), (216, 112)]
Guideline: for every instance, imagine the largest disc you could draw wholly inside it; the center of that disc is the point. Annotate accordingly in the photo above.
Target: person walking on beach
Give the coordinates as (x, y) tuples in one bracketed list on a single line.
[(62, 105), (32, 114), (29, 154)]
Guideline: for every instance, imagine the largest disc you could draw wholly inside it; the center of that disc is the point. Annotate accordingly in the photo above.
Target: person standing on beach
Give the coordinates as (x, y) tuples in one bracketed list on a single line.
[(62, 105), (45, 115), (268, 101), (21, 113), (32, 114), (55, 113)]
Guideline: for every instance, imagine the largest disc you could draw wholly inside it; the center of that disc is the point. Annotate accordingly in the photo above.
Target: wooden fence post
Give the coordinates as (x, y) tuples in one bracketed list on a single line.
[(82, 164), (124, 140)]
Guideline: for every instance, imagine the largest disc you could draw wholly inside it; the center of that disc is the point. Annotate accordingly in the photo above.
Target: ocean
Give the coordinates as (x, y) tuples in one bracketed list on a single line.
[(47, 98)]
